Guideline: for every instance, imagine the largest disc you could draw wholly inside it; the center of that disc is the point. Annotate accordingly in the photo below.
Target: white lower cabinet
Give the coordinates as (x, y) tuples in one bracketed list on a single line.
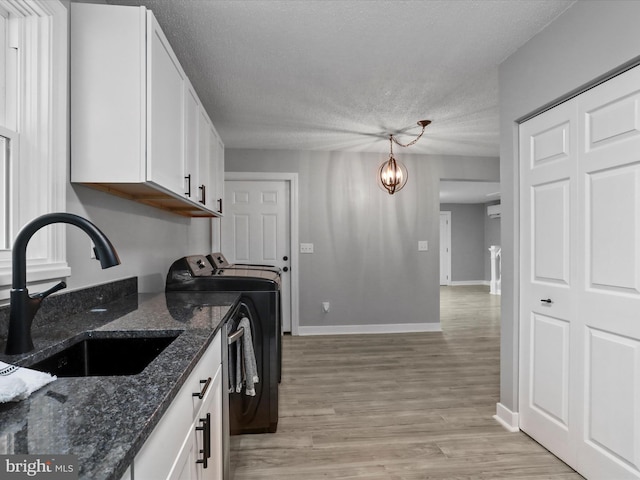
[(187, 442), (201, 454)]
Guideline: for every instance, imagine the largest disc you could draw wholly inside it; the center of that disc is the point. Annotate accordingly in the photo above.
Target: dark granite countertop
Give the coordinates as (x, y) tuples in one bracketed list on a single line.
[(105, 420)]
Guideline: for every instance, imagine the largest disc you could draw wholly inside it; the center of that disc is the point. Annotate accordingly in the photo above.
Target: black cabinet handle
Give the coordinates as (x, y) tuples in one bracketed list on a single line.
[(201, 393), (203, 198), (219, 205), (188, 179), (206, 440), (547, 300)]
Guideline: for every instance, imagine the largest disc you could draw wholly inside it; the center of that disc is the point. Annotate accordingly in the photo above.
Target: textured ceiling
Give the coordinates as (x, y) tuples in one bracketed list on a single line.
[(343, 74)]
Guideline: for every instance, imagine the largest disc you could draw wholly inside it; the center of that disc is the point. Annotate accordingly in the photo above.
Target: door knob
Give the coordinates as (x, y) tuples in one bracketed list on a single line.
[(546, 300)]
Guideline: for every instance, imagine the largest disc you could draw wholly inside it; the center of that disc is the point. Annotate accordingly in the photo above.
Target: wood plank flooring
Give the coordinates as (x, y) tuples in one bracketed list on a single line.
[(397, 407)]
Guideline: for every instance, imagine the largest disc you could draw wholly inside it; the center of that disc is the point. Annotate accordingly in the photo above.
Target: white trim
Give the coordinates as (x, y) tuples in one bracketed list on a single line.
[(508, 419), (292, 178), (39, 274), (447, 214), (459, 283), (43, 129), (370, 329)]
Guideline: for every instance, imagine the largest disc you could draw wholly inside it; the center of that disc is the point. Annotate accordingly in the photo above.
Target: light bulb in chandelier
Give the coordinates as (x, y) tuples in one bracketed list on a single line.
[(392, 174)]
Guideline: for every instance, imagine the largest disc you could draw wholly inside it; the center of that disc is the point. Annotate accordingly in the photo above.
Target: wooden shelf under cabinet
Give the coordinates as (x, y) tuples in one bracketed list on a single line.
[(153, 197)]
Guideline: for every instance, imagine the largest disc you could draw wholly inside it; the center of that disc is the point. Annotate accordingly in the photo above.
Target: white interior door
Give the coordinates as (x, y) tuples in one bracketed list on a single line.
[(609, 266), (547, 266), (256, 229), (580, 249), (445, 248)]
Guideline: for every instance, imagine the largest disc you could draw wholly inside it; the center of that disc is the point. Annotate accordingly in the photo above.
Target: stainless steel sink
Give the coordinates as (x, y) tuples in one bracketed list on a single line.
[(97, 356)]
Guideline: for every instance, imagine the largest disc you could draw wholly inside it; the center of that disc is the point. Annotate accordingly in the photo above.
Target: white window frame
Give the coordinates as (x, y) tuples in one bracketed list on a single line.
[(39, 179)]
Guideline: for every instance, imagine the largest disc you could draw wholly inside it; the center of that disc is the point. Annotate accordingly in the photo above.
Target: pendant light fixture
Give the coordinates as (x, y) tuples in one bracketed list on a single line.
[(392, 174)]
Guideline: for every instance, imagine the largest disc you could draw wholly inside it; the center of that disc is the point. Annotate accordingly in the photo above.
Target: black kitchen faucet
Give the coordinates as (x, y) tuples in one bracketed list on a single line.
[(23, 306)]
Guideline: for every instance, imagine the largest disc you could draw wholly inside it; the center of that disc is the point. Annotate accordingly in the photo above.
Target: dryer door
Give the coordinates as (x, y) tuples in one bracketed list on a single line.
[(246, 411)]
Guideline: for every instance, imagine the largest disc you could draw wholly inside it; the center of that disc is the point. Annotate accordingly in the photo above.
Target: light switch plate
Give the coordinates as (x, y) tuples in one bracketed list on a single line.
[(423, 245), (306, 248)]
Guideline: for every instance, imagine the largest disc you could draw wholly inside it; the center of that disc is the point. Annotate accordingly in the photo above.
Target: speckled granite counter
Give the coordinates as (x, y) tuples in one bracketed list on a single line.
[(105, 420)]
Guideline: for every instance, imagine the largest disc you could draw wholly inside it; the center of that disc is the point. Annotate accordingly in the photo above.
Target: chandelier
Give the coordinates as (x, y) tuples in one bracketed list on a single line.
[(392, 174)]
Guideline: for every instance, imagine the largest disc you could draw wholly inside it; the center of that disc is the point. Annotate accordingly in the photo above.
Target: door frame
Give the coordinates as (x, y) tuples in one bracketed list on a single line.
[(446, 214), (292, 179)]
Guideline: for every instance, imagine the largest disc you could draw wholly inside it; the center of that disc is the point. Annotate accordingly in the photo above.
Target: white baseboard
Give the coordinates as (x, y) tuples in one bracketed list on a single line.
[(508, 419), (372, 328), (455, 283)]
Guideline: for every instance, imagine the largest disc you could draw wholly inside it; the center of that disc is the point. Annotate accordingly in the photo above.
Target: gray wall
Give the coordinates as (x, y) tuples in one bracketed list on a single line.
[(467, 241), (588, 40), (366, 260), (147, 239)]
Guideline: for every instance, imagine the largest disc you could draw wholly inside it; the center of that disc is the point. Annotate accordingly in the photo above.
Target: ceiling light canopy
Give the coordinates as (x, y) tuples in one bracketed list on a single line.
[(392, 174)]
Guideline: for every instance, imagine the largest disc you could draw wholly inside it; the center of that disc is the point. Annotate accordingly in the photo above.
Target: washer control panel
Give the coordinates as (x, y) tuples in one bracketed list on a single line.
[(199, 266)]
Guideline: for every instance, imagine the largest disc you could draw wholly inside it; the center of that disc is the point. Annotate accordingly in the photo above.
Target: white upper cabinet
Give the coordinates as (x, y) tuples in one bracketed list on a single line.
[(166, 86), (135, 118)]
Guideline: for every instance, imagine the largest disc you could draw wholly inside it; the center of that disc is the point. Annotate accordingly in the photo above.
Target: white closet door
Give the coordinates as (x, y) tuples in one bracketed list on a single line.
[(548, 224), (609, 268), (580, 249)]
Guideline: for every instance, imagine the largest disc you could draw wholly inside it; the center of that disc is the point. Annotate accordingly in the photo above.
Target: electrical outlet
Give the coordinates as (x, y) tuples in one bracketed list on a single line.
[(306, 248), (423, 245), (326, 306)]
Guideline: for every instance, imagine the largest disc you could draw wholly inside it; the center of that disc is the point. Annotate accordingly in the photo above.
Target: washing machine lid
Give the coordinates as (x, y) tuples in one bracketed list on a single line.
[(195, 273), (219, 262)]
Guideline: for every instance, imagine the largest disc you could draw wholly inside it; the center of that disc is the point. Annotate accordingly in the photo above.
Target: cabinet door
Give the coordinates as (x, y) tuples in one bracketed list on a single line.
[(207, 427), (204, 163), (165, 112), (192, 114), (212, 410), (184, 467), (217, 170)]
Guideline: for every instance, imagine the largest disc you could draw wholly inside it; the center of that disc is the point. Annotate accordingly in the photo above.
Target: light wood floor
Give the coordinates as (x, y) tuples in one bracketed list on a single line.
[(397, 407)]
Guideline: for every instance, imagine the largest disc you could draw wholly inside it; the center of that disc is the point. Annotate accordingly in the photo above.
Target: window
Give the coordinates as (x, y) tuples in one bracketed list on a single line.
[(33, 133), (8, 156)]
